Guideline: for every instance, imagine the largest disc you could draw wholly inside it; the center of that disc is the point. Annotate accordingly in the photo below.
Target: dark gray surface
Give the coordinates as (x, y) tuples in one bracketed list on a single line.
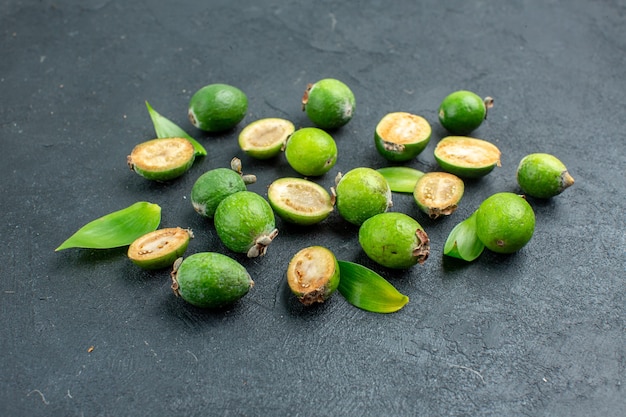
[(537, 333)]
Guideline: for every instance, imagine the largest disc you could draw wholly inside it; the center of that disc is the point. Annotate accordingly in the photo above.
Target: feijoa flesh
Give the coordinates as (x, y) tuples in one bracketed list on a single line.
[(361, 193), (159, 249), (542, 175), (438, 193), (401, 136), (394, 240), (210, 280), (265, 138), (245, 223), (299, 201), (162, 159), (313, 274), (467, 157)]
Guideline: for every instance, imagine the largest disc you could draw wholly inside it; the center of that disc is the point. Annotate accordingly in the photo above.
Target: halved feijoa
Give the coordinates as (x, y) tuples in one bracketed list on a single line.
[(299, 201), (467, 157), (542, 175), (394, 240), (313, 274), (162, 159), (265, 138), (362, 193), (401, 136), (210, 280), (159, 249), (438, 193), (245, 223)]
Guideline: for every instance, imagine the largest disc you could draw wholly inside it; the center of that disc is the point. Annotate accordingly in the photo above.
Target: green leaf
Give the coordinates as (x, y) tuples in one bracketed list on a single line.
[(401, 179), (116, 229), (365, 289), (463, 242), (165, 128)]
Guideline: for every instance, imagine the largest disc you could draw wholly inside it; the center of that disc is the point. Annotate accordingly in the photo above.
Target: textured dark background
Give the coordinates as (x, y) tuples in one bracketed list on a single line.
[(537, 333)]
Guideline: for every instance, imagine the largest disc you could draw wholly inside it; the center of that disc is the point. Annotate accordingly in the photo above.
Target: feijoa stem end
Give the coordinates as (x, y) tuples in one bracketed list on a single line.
[(260, 245), (422, 251), (488, 101)]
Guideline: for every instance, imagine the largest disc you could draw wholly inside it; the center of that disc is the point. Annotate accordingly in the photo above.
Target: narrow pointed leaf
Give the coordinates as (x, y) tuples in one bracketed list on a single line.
[(401, 179), (116, 229), (463, 242), (165, 128), (367, 290)]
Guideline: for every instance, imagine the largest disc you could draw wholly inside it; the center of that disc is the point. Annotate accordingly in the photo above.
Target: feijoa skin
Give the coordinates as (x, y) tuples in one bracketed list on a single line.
[(265, 138), (505, 222), (329, 103), (311, 151), (159, 249), (394, 240), (162, 159), (463, 111), (467, 157), (210, 280), (245, 223), (217, 107), (313, 275), (401, 136), (542, 175), (299, 201), (362, 193), (438, 193)]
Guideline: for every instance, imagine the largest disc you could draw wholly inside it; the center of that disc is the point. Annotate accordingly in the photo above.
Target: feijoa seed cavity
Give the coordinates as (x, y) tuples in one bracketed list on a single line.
[(159, 249), (313, 275)]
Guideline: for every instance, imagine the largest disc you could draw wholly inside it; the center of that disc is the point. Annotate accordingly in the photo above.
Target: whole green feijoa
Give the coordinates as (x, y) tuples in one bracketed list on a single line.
[(505, 222), (311, 151), (329, 103), (210, 280), (313, 274), (217, 107), (463, 111), (394, 240), (245, 223), (542, 175), (362, 193)]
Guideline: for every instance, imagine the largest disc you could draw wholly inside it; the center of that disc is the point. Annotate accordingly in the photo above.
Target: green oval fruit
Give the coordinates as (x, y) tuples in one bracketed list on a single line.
[(467, 157), (328, 103), (265, 138), (245, 223), (505, 222), (217, 107), (394, 240), (311, 151), (162, 159), (401, 136), (299, 201), (438, 193), (463, 111), (210, 280), (362, 193), (542, 175), (313, 275), (159, 249)]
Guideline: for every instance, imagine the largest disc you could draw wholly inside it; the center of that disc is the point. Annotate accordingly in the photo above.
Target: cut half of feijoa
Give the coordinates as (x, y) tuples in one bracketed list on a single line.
[(466, 156), (159, 249), (313, 274), (438, 193), (401, 136), (299, 201), (162, 159), (265, 138)]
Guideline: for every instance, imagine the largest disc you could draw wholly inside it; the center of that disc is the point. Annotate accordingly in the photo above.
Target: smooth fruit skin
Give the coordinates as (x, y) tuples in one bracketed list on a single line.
[(212, 187), (311, 151), (241, 219), (505, 222), (211, 280), (394, 240), (362, 193), (542, 175), (217, 107), (329, 103), (461, 112)]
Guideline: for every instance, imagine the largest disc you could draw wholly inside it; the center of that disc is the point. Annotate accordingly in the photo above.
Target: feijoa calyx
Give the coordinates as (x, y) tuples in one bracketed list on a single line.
[(313, 274), (159, 249), (467, 157), (401, 136), (162, 159), (210, 280), (438, 193), (299, 201)]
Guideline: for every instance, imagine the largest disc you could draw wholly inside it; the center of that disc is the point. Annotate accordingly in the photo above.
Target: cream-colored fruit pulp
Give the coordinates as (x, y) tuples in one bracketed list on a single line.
[(402, 128), (468, 152)]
